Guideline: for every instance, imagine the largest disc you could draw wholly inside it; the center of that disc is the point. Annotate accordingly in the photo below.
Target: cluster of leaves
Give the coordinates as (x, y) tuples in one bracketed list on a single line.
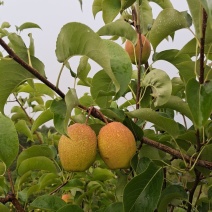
[(172, 168)]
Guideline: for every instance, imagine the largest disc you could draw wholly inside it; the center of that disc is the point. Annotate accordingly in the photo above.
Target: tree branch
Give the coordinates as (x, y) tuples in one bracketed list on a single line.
[(202, 46), (177, 154), (11, 198)]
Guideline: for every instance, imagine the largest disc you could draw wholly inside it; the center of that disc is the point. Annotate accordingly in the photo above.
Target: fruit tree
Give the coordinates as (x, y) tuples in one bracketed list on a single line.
[(139, 140)]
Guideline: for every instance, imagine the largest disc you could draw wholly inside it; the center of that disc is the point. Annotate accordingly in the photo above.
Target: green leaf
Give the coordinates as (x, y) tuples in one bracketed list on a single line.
[(126, 3), (28, 25), (167, 124), (102, 89), (8, 141), (172, 56), (208, 8), (110, 9), (69, 44), (5, 25), (48, 202), (38, 89), (195, 8), (4, 208), (96, 7), (146, 16), (70, 208), (15, 74), (169, 194), (142, 193), (114, 114), (163, 4), (199, 98), (17, 43), (83, 70), (35, 164), (121, 66), (21, 127), (120, 28), (134, 128), (168, 21), (41, 119), (31, 45), (176, 103), (115, 207), (102, 174), (140, 165), (48, 179), (161, 86), (35, 151), (59, 108)]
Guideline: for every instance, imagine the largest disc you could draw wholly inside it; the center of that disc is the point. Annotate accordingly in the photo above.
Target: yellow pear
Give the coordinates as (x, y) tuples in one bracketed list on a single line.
[(116, 145), (78, 151)]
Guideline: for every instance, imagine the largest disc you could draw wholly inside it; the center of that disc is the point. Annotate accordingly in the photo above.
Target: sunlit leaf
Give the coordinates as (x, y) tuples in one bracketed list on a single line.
[(142, 193), (161, 86), (167, 22), (110, 9), (48, 202), (8, 141), (169, 125)]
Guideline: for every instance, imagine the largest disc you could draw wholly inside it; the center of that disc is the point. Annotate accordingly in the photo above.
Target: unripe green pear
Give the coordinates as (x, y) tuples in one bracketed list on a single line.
[(116, 145), (134, 51), (78, 151)]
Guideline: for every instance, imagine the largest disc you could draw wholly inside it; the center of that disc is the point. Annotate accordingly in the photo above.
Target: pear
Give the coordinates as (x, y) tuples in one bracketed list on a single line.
[(78, 151), (134, 51), (116, 145)]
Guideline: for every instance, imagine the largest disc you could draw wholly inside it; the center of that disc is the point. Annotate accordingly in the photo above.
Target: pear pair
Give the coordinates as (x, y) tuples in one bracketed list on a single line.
[(116, 145)]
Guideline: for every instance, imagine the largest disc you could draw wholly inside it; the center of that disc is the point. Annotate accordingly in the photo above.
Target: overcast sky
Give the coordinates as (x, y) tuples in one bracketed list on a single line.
[(51, 15)]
